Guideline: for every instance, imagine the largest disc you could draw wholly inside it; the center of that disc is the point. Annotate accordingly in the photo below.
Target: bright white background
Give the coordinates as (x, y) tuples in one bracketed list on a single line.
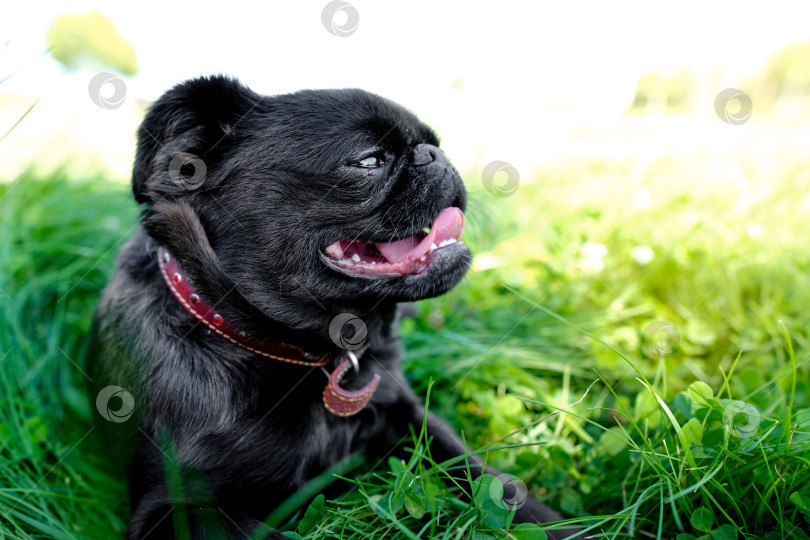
[(498, 80)]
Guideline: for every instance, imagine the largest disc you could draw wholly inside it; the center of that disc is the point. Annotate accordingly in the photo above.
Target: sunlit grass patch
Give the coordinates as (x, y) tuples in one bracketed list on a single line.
[(631, 344)]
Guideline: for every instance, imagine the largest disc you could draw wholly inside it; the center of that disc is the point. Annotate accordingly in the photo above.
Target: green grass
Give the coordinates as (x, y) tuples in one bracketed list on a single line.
[(695, 426), (57, 250)]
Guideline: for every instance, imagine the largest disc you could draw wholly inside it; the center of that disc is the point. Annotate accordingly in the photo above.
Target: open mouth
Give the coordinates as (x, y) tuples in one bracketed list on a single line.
[(401, 257)]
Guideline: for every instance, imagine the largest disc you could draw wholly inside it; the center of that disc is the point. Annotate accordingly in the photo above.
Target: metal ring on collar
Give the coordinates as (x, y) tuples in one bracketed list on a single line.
[(355, 362)]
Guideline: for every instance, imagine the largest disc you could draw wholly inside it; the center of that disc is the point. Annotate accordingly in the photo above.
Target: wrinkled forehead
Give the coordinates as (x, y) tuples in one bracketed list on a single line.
[(356, 115)]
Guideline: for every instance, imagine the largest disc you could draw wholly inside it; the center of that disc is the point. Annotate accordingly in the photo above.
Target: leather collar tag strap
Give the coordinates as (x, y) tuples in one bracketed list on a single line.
[(336, 399)]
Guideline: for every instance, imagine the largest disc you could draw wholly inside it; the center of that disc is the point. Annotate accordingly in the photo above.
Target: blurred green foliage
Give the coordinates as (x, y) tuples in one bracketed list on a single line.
[(786, 75), (90, 40), (560, 296), (673, 93)]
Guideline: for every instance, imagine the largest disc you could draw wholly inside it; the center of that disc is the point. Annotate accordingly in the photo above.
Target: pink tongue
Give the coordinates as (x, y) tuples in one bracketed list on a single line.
[(447, 225)]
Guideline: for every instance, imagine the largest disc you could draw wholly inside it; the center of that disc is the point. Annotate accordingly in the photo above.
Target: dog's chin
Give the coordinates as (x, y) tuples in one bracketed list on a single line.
[(418, 266)]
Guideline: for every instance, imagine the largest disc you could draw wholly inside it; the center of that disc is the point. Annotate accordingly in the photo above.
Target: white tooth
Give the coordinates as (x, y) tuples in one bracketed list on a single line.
[(433, 246), (373, 262), (334, 250), (356, 257), (423, 258), (447, 242)]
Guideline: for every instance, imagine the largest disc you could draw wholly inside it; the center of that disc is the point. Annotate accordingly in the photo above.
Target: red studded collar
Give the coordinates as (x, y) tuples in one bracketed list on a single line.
[(337, 400)]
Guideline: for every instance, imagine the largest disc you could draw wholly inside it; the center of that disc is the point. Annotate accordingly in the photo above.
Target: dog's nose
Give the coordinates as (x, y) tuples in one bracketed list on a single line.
[(424, 154)]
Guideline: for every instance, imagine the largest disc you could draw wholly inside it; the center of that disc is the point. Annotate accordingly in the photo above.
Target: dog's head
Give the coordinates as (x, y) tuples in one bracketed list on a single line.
[(332, 197)]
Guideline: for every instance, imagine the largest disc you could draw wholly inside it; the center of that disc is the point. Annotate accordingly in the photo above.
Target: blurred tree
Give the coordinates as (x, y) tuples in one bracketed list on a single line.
[(90, 40), (681, 88), (786, 74), (672, 93), (650, 91)]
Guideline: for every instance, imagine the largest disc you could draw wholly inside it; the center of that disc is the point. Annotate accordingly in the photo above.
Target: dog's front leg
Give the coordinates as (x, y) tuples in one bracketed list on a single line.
[(163, 521), (177, 502)]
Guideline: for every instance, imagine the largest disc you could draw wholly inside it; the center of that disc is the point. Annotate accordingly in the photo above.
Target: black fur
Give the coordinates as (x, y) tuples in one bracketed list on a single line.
[(220, 436)]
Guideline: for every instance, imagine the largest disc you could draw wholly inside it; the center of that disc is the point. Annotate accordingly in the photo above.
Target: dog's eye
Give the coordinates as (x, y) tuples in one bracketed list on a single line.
[(371, 162)]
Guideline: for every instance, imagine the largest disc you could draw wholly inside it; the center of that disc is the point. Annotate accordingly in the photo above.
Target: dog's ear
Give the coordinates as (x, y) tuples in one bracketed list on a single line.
[(185, 132)]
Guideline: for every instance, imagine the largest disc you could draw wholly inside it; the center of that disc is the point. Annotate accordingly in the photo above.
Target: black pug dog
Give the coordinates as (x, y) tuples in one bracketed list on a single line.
[(277, 237)]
